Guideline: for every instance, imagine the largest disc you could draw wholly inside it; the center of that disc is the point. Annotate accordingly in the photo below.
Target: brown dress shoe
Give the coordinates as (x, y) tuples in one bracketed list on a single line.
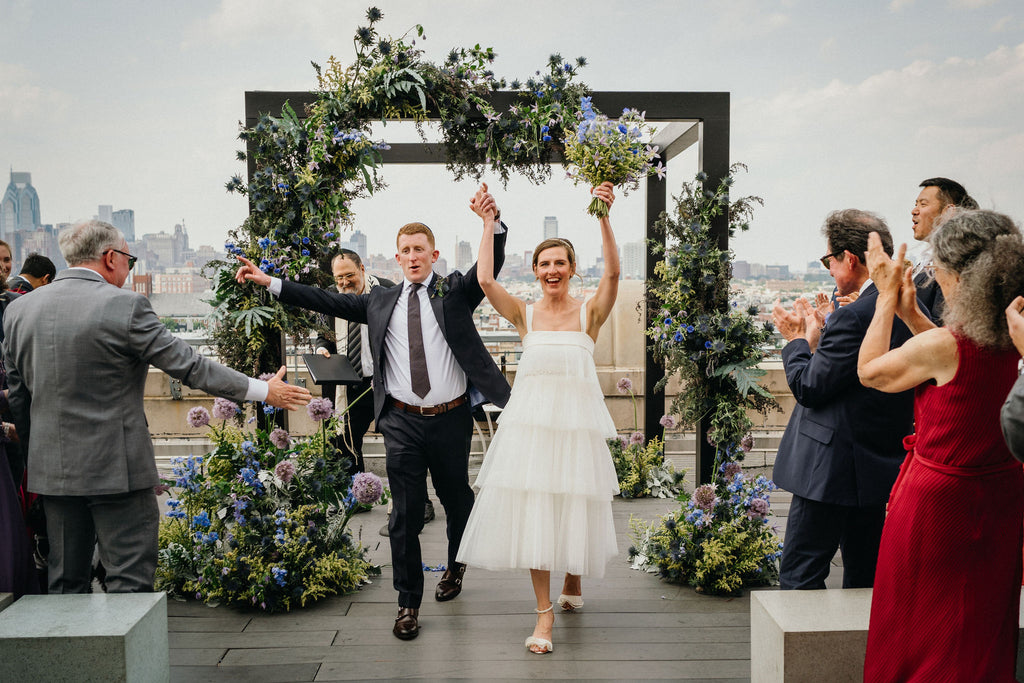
[(407, 625), (451, 583)]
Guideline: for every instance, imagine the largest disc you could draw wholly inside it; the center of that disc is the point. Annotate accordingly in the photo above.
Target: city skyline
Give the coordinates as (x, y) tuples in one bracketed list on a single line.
[(845, 105)]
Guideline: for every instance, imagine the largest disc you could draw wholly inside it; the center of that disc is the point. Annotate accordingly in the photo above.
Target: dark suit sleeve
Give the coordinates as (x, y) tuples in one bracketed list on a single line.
[(18, 398), (1012, 419), (474, 294), (347, 306), (814, 378), (929, 295)]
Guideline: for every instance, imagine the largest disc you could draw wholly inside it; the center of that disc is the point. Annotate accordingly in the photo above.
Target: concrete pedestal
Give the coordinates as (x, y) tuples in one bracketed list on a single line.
[(102, 637), (811, 636), (6, 600)]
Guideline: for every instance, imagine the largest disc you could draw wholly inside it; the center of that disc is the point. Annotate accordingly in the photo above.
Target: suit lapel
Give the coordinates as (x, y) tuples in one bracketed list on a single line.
[(379, 327)]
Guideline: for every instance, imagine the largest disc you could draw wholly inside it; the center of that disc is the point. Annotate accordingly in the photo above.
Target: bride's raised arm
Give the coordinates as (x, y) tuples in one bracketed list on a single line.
[(602, 303), (508, 306)]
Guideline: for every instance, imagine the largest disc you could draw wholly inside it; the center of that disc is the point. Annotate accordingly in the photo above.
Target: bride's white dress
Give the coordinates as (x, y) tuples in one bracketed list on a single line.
[(547, 481)]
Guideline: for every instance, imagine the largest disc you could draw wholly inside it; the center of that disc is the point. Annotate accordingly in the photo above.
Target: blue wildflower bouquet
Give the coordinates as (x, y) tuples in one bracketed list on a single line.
[(719, 541), (604, 150), (261, 521)]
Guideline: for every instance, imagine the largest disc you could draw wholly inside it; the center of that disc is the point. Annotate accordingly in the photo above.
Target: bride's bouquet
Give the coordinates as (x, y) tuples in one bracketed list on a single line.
[(604, 149)]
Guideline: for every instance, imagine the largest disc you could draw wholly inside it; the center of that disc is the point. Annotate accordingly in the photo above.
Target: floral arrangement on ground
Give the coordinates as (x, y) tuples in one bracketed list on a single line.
[(720, 539), (641, 468), (262, 520)]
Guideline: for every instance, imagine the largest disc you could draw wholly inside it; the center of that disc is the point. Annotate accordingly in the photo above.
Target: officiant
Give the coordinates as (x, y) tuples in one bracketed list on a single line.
[(352, 340)]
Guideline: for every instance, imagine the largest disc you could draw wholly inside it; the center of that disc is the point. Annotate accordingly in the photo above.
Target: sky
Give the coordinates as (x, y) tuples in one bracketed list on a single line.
[(835, 104)]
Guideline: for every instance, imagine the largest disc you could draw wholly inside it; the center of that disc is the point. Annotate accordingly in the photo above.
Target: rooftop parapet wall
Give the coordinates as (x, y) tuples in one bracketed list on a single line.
[(619, 353)]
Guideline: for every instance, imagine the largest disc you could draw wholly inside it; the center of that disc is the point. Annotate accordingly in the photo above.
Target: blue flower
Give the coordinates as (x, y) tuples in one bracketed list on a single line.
[(546, 138), (305, 240), (623, 129), (279, 575), (707, 345), (264, 242), (678, 337), (305, 252), (201, 520)]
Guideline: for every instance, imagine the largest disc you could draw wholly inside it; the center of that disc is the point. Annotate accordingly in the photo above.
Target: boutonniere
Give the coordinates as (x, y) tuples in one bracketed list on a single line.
[(441, 287)]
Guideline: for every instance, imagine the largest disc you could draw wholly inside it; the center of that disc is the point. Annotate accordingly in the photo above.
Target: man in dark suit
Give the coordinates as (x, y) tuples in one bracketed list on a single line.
[(430, 370), (937, 196), (842, 448), (351, 339), (37, 271), (77, 353)]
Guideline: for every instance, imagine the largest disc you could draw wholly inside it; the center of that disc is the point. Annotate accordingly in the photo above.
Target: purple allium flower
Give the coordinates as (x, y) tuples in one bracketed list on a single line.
[(667, 421), (704, 497), (279, 438), (747, 443), (266, 376), (223, 409), (285, 470), (636, 438), (758, 508), (198, 417), (320, 409), (731, 470), (624, 440), (367, 487), (625, 385)]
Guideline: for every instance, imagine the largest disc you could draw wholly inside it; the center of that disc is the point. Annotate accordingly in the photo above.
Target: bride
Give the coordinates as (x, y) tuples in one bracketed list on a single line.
[(547, 482)]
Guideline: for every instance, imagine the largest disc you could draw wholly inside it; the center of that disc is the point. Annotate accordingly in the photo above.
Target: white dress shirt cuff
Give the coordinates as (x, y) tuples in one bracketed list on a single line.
[(499, 227), (275, 286), (258, 390)]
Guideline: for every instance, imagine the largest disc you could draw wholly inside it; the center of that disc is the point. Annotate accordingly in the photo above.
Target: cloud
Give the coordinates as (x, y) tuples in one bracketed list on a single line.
[(1006, 24), (971, 4), (319, 23), (898, 5), (866, 144), (25, 100)]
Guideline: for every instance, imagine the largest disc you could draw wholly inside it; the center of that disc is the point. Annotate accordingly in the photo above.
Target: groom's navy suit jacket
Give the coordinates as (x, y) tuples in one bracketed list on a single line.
[(452, 299), (843, 443)]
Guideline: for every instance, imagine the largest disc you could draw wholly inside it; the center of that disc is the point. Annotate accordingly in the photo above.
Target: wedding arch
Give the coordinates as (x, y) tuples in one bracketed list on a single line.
[(685, 119)]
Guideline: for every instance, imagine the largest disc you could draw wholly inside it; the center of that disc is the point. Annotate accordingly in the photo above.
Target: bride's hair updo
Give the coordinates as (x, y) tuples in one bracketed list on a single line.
[(556, 242), (985, 250)]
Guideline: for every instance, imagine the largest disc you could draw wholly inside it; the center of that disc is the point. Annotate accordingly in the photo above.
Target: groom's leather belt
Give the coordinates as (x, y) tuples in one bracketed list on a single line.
[(438, 409)]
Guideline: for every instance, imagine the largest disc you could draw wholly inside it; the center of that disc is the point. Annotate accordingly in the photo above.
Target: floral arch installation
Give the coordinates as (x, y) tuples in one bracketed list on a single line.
[(689, 118)]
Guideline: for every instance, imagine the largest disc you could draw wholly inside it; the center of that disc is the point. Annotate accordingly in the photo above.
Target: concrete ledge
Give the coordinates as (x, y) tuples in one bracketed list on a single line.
[(99, 637), (6, 600), (812, 636)]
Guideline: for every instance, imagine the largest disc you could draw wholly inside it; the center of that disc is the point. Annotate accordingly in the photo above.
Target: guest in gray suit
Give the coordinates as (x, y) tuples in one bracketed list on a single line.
[(77, 353)]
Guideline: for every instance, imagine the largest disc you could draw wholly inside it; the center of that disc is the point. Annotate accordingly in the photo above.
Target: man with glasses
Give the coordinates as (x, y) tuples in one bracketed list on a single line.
[(842, 447), (77, 354), (937, 197), (351, 339)]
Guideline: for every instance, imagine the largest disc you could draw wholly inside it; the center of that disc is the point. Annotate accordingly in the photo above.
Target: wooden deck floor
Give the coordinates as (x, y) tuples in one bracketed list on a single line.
[(633, 626)]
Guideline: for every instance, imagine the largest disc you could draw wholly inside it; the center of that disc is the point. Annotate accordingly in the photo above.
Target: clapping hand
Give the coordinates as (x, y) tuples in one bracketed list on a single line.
[(1015, 321), (483, 204), (886, 273), (249, 271), (799, 322), (823, 306)]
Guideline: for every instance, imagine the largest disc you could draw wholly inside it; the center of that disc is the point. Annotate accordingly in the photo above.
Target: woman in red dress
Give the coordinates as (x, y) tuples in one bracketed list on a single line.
[(947, 588)]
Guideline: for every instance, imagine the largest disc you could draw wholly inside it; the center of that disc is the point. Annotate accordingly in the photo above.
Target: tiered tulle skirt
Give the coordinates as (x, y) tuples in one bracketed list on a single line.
[(547, 481)]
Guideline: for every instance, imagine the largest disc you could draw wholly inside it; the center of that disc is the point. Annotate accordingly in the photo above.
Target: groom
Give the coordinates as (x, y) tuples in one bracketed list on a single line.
[(430, 369)]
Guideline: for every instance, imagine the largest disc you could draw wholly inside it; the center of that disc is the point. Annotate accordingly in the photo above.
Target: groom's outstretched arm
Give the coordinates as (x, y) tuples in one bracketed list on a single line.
[(347, 306)]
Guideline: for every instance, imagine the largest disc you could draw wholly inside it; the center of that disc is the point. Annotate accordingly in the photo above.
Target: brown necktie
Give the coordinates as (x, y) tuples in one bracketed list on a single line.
[(417, 358)]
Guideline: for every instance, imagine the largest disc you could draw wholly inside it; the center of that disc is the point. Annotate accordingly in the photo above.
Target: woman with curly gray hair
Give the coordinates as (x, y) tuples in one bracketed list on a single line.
[(947, 586)]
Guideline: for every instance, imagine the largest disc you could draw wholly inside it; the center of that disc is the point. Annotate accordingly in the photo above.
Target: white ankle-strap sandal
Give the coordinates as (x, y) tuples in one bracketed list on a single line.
[(540, 642), (570, 603)]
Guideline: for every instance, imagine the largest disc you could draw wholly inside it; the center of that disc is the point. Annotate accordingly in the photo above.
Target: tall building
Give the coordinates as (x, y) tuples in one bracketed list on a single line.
[(463, 256), (357, 243), (124, 220), (634, 260), (105, 213), (550, 227), (19, 209)]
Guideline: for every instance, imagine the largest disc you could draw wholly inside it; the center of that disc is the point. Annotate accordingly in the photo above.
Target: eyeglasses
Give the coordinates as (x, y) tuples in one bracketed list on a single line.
[(930, 269), (131, 259), (345, 278), (826, 260)]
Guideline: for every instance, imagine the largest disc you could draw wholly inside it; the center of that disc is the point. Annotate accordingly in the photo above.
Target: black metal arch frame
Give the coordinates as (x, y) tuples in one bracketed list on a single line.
[(690, 118)]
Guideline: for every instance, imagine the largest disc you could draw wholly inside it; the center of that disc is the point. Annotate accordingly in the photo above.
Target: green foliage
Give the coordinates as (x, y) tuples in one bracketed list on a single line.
[(719, 541), (262, 522), (709, 345), (309, 170), (642, 470)]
